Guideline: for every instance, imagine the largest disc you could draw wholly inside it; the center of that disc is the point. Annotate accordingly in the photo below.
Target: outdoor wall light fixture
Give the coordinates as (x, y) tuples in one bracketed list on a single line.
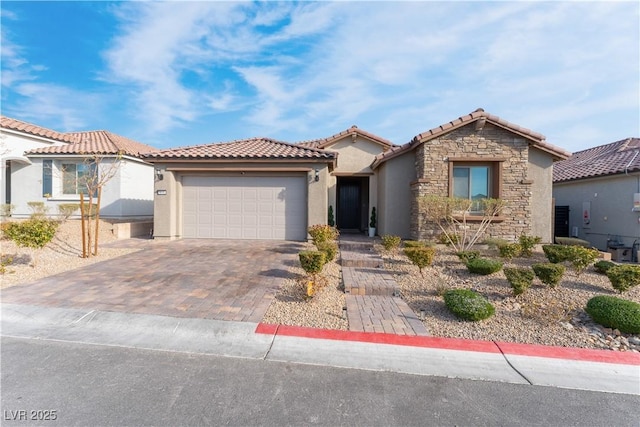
[(159, 174), (316, 177)]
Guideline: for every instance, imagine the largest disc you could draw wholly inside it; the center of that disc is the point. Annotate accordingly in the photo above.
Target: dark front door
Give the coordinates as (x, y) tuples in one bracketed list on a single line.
[(561, 221), (348, 215)]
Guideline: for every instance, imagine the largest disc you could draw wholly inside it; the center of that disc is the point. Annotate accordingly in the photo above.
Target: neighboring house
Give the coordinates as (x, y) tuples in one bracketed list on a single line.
[(52, 172), (264, 189), (600, 189)]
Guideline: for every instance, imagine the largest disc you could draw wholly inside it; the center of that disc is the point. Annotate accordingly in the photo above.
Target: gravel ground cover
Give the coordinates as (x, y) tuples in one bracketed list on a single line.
[(542, 315), (62, 254)]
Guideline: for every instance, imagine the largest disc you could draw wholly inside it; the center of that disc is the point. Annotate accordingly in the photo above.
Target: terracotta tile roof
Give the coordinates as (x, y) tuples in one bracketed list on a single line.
[(20, 126), (353, 131), (246, 149), (99, 142), (536, 139), (610, 159)]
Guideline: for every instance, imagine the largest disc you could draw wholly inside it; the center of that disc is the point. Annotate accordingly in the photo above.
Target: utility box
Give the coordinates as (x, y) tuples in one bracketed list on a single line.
[(620, 254)]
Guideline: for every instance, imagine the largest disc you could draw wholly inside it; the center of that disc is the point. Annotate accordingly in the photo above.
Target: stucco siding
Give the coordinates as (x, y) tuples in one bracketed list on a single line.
[(541, 178), (136, 189), (394, 201), (611, 203)]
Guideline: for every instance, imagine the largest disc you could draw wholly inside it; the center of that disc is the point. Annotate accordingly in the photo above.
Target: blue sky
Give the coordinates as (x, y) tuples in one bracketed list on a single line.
[(181, 73)]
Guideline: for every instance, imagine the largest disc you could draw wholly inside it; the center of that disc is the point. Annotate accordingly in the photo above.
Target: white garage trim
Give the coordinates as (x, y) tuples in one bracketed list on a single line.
[(245, 207)]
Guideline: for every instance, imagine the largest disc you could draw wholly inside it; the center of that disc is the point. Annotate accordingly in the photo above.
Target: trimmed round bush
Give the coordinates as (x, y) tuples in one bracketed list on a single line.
[(527, 243), (484, 266), (421, 256), (312, 261), (468, 305), (603, 266), (549, 273), (323, 233), (616, 313), (581, 257), (510, 250), (391, 242), (556, 253), (519, 278), (466, 256), (624, 277), (330, 250)]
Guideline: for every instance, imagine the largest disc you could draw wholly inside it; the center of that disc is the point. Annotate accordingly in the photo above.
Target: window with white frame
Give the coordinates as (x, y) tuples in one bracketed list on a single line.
[(75, 176), (475, 181)]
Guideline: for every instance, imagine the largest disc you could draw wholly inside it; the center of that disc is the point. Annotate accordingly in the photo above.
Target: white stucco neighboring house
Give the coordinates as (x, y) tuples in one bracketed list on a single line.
[(47, 166), (597, 197)]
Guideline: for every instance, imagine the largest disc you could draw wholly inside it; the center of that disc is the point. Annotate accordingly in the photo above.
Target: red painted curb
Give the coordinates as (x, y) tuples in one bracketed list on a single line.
[(535, 350)]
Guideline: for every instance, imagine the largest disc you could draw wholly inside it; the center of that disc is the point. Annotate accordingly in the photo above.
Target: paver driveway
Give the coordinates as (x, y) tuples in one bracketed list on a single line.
[(211, 279)]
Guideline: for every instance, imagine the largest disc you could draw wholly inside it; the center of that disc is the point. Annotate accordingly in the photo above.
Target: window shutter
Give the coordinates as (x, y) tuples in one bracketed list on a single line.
[(46, 177)]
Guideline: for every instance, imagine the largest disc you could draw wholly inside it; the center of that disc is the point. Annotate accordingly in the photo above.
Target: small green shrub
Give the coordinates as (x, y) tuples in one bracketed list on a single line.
[(5, 260), (330, 220), (67, 209), (38, 209), (603, 266), (466, 256), (484, 266), (509, 250), (33, 233), (549, 273), (581, 257), (624, 277), (468, 305), (330, 250), (527, 243), (312, 261), (616, 313), (372, 219), (572, 241), (519, 278), (322, 233), (557, 253), (494, 242), (421, 257), (391, 242), (413, 244), (6, 209), (444, 240)]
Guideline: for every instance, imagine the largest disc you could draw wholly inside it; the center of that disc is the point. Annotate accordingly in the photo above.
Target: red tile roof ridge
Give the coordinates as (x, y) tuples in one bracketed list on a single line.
[(32, 129), (353, 130)]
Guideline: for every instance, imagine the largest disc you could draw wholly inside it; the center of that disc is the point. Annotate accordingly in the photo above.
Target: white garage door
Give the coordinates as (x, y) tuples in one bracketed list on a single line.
[(244, 207)]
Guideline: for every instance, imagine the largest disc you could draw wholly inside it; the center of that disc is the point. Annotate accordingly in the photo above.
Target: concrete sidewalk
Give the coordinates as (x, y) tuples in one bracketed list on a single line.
[(596, 370)]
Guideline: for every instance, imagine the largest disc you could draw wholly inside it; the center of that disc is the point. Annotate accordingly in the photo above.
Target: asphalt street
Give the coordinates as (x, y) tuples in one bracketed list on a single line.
[(89, 384)]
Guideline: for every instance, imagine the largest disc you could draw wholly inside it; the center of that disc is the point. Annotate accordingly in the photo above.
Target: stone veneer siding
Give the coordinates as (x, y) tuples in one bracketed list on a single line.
[(488, 144)]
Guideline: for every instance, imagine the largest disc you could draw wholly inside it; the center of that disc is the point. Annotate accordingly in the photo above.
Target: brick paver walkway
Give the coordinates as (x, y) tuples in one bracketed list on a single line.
[(211, 279), (371, 300)]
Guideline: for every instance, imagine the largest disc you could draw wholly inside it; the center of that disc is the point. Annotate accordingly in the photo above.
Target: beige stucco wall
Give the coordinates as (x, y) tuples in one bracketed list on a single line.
[(355, 158), (611, 201), (541, 177), (394, 190), (168, 208)]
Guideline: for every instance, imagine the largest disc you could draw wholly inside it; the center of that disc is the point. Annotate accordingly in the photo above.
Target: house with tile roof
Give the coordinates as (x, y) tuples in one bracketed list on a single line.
[(259, 188), (42, 165), (600, 189)]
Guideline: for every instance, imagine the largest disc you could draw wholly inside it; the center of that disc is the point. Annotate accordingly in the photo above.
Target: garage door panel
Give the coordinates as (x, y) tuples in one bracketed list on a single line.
[(273, 208)]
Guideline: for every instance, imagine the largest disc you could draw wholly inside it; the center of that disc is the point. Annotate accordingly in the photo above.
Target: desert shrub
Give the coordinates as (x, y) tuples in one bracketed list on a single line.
[(557, 253), (67, 209), (466, 256), (581, 257), (322, 233), (468, 305), (616, 313), (603, 266), (3, 227), (330, 250), (391, 242), (519, 278), (551, 311), (5, 260), (549, 273), (509, 250), (421, 257), (312, 261), (624, 277), (33, 233), (494, 242), (38, 209), (444, 240), (527, 243), (484, 266), (413, 244), (6, 209), (572, 241)]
